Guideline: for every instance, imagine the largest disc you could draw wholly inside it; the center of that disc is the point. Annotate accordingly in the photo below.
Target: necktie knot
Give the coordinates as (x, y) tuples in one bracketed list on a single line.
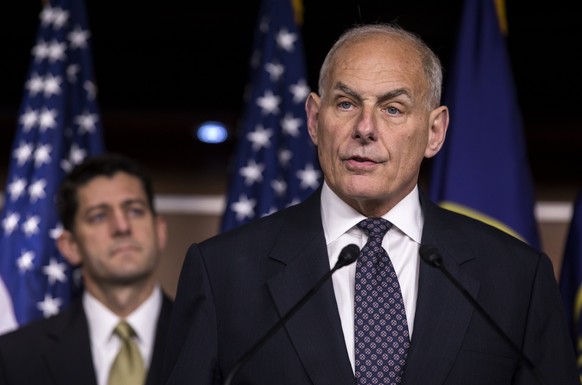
[(124, 331), (375, 227)]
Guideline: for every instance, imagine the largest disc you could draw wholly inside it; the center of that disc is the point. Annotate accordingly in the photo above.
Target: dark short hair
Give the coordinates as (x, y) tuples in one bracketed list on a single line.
[(91, 168)]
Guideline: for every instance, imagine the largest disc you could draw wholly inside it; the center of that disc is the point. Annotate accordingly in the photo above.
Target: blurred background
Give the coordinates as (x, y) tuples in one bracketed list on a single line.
[(162, 68)]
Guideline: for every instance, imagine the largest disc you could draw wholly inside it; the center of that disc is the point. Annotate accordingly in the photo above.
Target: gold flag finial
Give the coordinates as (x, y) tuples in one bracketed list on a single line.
[(298, 10), (501, 16)]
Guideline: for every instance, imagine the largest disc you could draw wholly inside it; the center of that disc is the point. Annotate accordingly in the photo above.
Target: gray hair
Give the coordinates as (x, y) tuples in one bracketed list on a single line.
[(430, 62)]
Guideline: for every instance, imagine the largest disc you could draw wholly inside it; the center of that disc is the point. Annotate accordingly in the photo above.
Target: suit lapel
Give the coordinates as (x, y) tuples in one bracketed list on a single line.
[(315, 329), (442, 313), (155, 370), (68, 352)]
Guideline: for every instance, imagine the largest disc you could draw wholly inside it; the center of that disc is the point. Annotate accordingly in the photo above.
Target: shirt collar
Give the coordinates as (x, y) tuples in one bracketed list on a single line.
[(338, 217), (102, 321)]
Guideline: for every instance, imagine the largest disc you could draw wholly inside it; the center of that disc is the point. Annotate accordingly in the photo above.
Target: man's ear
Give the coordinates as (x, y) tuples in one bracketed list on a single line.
[(161, 228), (312, 109), (437, 130), (69, 248)]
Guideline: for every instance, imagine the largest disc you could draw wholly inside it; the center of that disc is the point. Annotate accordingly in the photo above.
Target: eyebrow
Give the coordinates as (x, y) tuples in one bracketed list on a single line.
[(126, 203), (382, 98)]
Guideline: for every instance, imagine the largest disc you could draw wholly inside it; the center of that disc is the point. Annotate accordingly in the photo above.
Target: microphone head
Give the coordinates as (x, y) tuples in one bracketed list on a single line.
[(348, 255), (430, 255)]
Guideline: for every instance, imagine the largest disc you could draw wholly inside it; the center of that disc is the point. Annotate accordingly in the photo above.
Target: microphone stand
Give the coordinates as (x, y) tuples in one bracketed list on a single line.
[(431, 256), (347, 256)]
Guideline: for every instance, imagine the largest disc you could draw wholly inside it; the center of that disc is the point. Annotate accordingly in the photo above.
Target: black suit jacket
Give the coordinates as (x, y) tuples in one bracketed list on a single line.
[(56, 351), (236, 286)]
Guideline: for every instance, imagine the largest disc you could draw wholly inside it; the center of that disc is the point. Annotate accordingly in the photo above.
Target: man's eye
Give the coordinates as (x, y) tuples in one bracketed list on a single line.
[(345, 105), (96, 217), (136, 211), (392, 111)]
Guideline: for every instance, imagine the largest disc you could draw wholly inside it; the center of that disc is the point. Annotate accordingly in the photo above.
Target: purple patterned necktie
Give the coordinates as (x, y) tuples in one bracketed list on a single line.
[(381, 328)]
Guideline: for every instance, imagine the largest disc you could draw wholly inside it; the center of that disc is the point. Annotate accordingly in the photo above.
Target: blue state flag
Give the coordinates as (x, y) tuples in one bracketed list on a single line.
[(275, 161), (571, 279), (482, 170), (58, 126)]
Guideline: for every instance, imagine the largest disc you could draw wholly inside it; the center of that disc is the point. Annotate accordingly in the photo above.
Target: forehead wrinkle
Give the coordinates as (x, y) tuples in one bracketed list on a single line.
[(392, 94), (346, 89)]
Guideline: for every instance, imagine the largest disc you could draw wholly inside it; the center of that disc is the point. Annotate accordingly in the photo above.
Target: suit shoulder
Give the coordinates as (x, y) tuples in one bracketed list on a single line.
[(269, 225), (467, 229)]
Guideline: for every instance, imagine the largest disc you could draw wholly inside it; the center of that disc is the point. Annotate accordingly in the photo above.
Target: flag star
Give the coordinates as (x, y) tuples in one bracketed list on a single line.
[(290, 125), (78, 37), (49, 306), (46, 15), (10, 222), (279, 186), (56, 232), (30, 226), (91, 89), (28, 119), (72, 71), (309, 177), (22, 153), (55, 271), (52, 85), (87, 122), (36, 190), (275, 71), (284, 156), (252, 172), (56, 51), (272, 210), (16, 188), (60, 18), (244, 208), (35, 84), (76, 155), (286, 40), (42, 154), (299, 91), (260, 137), (40, 50), (24, 261), (47, 119), (269, 103), (293, 202)]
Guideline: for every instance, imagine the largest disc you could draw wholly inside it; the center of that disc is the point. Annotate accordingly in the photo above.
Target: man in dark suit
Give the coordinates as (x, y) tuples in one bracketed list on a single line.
[(112, 230), (376, 117)]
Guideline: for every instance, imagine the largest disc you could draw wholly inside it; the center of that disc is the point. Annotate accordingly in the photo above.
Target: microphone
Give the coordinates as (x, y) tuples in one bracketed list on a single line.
[(431, 256), (347, 256)]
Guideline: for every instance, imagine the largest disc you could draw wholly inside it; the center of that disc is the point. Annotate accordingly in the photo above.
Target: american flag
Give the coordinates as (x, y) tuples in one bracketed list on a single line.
[(276, 164), (58, 125)]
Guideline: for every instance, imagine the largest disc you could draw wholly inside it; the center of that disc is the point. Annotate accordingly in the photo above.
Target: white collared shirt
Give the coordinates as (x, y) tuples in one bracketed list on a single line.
[(102, 321), (402, 243)]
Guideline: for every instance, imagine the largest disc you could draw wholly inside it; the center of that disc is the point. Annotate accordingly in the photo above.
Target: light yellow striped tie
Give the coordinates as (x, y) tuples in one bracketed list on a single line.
[(128, 367)]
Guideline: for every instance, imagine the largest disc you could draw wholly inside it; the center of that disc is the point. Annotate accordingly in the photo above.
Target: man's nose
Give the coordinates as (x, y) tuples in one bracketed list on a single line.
[(366, 130), (120, 223)]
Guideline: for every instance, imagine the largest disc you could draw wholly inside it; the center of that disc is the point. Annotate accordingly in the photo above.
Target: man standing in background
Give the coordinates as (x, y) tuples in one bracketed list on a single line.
[(114, 334)]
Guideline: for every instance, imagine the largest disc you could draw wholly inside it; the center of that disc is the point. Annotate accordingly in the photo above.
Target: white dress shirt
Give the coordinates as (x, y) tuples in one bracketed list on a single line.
[(105, 344), (402, 243)]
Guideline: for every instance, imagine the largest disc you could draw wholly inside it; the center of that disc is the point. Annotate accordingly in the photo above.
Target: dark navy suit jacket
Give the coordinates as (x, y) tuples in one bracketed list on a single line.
[(236, 286), (57, 351)]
